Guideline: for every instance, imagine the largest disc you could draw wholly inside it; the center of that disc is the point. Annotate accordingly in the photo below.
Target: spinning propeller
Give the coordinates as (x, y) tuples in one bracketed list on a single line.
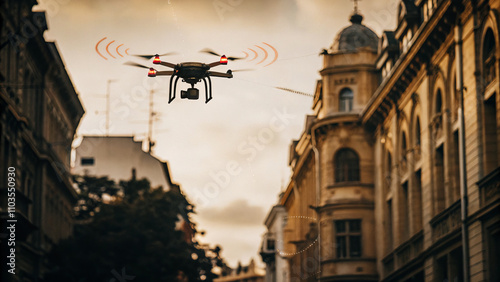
[(212, 52)]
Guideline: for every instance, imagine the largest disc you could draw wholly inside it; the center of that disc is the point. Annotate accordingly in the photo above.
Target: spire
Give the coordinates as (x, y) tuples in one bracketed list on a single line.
[(356, 17), (355, 6)]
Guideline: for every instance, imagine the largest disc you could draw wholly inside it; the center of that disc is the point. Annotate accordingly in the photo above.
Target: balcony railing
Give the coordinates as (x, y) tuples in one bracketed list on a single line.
[(403, 254), (489, 187), (446, 222)]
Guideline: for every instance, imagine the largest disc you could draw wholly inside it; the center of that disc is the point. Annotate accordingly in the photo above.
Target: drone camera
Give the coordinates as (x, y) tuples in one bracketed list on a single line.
[(152, 72), (190, 93), (223, 60), (156, 60)]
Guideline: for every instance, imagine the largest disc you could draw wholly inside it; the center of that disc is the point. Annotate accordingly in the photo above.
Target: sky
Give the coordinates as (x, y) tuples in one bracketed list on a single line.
[(230, 156)]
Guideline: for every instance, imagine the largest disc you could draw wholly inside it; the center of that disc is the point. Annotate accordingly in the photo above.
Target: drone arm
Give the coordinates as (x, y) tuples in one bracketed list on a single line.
[(220, 74), (214, 64), (164, 73), (167, 64)]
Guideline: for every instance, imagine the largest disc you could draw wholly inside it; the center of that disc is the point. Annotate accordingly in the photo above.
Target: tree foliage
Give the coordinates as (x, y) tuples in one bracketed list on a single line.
[(135, 234)]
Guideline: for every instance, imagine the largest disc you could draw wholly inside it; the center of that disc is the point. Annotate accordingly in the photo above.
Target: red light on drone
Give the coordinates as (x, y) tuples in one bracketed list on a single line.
[(223, 60), (152, 72), (156, 60)]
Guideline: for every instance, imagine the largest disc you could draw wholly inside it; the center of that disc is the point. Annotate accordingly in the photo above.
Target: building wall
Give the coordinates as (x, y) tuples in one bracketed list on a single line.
[(116, 156), (39, 113), (405, 129)]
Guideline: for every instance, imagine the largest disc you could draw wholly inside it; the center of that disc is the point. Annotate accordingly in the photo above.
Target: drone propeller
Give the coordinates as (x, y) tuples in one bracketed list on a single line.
[(148, 57), (212, 52), (136, 65)]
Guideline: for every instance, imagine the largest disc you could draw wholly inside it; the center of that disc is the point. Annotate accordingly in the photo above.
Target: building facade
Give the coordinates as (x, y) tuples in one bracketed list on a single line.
[(273, 245), (119, 157), (249, 273), (115, 157), (399, 166), (39, 113)]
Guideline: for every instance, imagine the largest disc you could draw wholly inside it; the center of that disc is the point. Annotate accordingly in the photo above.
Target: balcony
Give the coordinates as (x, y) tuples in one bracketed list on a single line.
[(446, 222), (489, 188), (404, 254)]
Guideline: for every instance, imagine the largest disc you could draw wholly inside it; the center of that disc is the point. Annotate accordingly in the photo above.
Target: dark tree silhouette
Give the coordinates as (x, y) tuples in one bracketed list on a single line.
[(132, 238)]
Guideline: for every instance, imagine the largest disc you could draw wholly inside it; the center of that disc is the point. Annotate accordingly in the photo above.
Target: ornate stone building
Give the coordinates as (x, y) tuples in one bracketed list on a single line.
[(394, 178), (39, 114)]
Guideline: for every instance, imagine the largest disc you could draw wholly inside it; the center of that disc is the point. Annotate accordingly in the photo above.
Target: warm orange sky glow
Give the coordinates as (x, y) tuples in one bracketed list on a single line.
[(230, 155)]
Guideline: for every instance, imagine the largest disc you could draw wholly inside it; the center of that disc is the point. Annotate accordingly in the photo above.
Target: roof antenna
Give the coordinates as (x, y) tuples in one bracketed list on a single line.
[(356, 17)]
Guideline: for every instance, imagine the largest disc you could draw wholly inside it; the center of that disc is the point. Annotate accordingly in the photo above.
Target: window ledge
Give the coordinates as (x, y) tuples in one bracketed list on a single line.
[(350, 184)]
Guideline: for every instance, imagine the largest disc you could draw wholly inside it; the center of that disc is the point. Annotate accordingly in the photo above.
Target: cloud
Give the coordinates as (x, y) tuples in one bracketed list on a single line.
[(239, 213)]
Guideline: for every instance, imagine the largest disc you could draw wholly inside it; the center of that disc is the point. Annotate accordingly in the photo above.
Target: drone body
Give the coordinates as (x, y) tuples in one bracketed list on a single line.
[(190, 72)]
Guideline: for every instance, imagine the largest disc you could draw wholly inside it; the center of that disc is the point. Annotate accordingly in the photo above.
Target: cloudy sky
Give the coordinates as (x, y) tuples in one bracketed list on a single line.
[(230, 155)]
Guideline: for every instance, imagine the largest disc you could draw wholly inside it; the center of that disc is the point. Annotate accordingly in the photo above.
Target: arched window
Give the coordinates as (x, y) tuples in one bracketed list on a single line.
[(346, 166), (345, 100), (489, 72), (490, 112)]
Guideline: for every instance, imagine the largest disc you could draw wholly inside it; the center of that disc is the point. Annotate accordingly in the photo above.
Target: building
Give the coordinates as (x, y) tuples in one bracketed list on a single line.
[(249, 273), (400, 176), (273, 244), (119, 157), (39, 113), (115, 157)]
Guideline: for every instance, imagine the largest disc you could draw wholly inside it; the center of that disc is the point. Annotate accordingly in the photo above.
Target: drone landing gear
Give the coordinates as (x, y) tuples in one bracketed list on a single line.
[(208, 95), (191, 93)]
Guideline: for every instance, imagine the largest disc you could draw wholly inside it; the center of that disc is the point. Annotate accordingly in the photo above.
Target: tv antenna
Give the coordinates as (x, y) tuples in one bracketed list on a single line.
[(108, 95)]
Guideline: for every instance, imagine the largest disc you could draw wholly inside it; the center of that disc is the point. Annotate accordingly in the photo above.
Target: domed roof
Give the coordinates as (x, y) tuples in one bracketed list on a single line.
[(355, 36)]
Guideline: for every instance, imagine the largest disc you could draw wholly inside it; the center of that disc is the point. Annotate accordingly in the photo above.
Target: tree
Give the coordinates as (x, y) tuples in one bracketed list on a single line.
[(91, 193), (133, 237)]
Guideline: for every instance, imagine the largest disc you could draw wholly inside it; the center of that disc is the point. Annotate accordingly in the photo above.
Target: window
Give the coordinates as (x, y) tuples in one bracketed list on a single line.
[(346, 166), (405, 213), (490, 134), (417, 132), (270, 244), (348, 238), (439, 180), (439, 102), (388, 172), (87, 161), (417, 205), (404, 150), (389, 237), (345, 100), (489, 72)]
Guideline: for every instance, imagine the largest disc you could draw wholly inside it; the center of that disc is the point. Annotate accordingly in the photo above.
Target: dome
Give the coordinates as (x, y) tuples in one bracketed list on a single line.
[(355, 36)]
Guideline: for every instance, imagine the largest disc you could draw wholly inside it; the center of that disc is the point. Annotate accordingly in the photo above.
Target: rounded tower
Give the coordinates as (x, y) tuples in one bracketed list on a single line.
[(346, 211)]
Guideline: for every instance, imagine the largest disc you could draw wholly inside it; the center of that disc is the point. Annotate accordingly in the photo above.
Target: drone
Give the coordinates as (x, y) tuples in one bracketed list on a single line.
[(190, 72)]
